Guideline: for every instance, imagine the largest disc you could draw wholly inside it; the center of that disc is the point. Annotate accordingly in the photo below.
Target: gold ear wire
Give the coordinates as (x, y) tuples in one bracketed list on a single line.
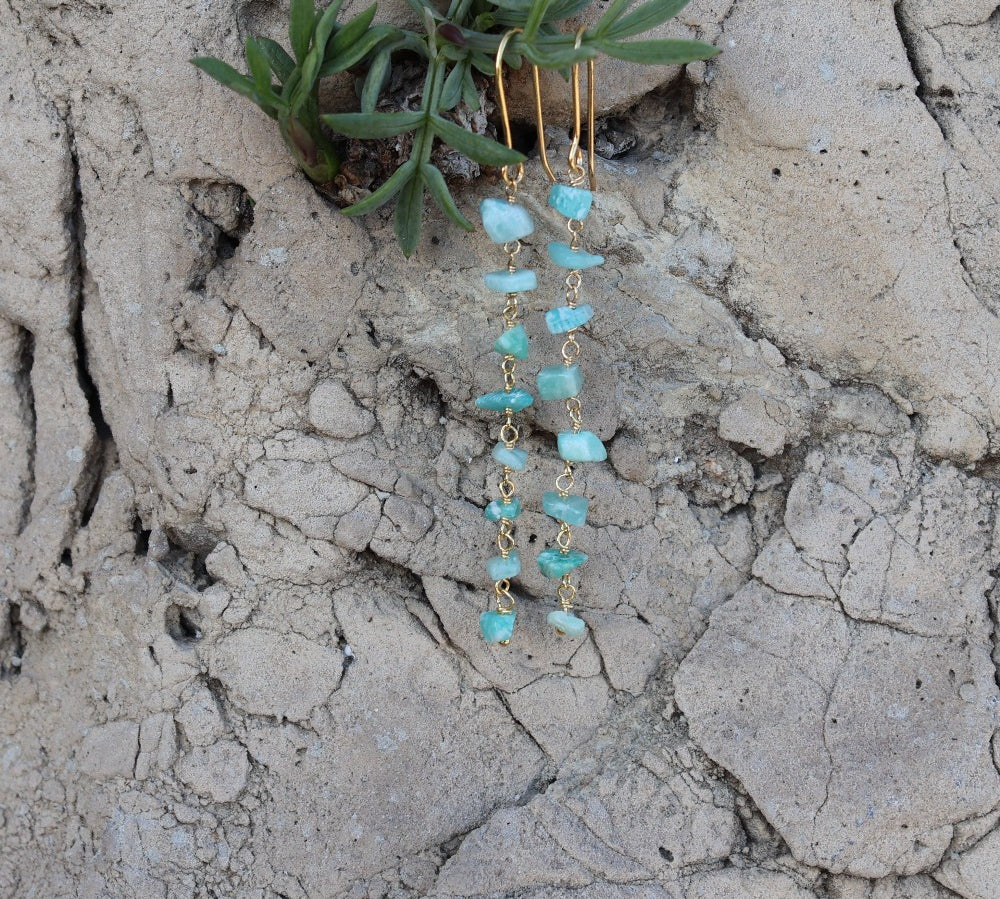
[(574, 159), (511, 181), (575, 154), (505, 116)]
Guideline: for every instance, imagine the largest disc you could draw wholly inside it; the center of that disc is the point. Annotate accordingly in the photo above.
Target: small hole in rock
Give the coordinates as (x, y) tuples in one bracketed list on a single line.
[(182, 624), (666, 854)]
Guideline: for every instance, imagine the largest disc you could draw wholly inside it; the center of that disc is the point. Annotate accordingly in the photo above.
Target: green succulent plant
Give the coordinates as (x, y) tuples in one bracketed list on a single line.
[(452, 45)]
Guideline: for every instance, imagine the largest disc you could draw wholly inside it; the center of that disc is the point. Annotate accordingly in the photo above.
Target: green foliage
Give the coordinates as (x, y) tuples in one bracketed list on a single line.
[(452, 45)]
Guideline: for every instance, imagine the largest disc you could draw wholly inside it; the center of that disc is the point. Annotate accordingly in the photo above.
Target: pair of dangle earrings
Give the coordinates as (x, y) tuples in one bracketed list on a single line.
[(506, 222)]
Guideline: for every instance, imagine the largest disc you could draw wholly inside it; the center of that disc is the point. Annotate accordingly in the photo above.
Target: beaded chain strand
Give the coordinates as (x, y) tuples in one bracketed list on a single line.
[(564, 382), (506, 223)]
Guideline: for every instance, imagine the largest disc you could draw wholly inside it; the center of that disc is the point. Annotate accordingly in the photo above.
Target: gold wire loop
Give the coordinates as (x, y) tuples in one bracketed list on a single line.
[(566, 593), (505, 602), (565, 481)]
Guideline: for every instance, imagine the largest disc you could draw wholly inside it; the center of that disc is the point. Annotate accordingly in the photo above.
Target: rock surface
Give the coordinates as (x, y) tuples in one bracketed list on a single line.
[(242, 474)]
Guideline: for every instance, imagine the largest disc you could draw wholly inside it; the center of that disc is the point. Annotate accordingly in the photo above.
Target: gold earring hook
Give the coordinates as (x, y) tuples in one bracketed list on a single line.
[(575, 154), (574, 159), (511, 181)]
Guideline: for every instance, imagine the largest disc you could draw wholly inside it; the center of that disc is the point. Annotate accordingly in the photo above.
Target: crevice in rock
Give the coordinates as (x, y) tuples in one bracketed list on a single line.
[(76, 230), (13, 644), (909, 38), (660, 122), (27, 394)]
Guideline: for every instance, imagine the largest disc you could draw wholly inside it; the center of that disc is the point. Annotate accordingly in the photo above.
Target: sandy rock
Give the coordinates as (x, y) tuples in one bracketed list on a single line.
[(333, 411), (750, 422), (242, 479), (809, 761), (109, 750), (218, 772), (975, 872), (281, 675)]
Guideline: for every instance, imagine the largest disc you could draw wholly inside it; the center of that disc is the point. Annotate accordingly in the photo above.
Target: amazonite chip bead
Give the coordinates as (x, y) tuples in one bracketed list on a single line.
[(567, 624), (499, 509), (505, 221), (497, 627), (501, 569), (563, 255), (559, 382), (511, 282), (556, 563), (568, 318), (572, 202), (510, 458), (571, 509), (581, 446), (501, 400), (513, 342)]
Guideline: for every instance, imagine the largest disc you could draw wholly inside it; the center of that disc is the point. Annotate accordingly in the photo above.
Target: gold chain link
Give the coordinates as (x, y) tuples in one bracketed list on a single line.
[(566, 593)]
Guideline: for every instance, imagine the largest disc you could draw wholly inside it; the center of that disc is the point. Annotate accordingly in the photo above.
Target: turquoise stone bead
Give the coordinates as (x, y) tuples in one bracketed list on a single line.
[(555, 563), (505, 221), (559, 382), (513, 342), (572, 202), (571, 509), (500, 400), (510, 458), (500, 569), (567, 624), (511, 282), (582, 446), (568, 318), (499, 509), (497, 627), (563, 255)]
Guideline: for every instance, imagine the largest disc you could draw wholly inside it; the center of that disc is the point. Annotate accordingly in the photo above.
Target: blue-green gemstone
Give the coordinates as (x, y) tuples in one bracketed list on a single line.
[(571, 509), (497, 627), (559, 382), (505, 221), (501, 569), (556, 563), (511, 282), (582, 446), (499, 509), (572, 202), (567, 624), (513, 342), (563, 255), (568, 318), (501, 400), (510, 458)]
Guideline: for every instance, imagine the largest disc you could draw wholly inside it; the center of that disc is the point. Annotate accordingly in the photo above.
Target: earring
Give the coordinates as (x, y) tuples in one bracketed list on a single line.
[(506, 222), (564, 381)]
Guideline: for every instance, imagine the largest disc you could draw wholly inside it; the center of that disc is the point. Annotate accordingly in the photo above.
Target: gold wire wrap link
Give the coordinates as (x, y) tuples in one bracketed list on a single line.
[(570, 349), (564, 537), (566, 593), (565, 481), (509, 433), (574, 408), (505, 602), (505, 537)]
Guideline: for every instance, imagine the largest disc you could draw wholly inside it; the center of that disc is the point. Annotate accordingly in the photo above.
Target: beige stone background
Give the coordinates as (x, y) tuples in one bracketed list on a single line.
[(241, 482)]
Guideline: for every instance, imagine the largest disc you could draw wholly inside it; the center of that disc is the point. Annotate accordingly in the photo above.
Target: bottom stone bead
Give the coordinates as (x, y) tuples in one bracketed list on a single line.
[(497, 627), (567, 624)]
